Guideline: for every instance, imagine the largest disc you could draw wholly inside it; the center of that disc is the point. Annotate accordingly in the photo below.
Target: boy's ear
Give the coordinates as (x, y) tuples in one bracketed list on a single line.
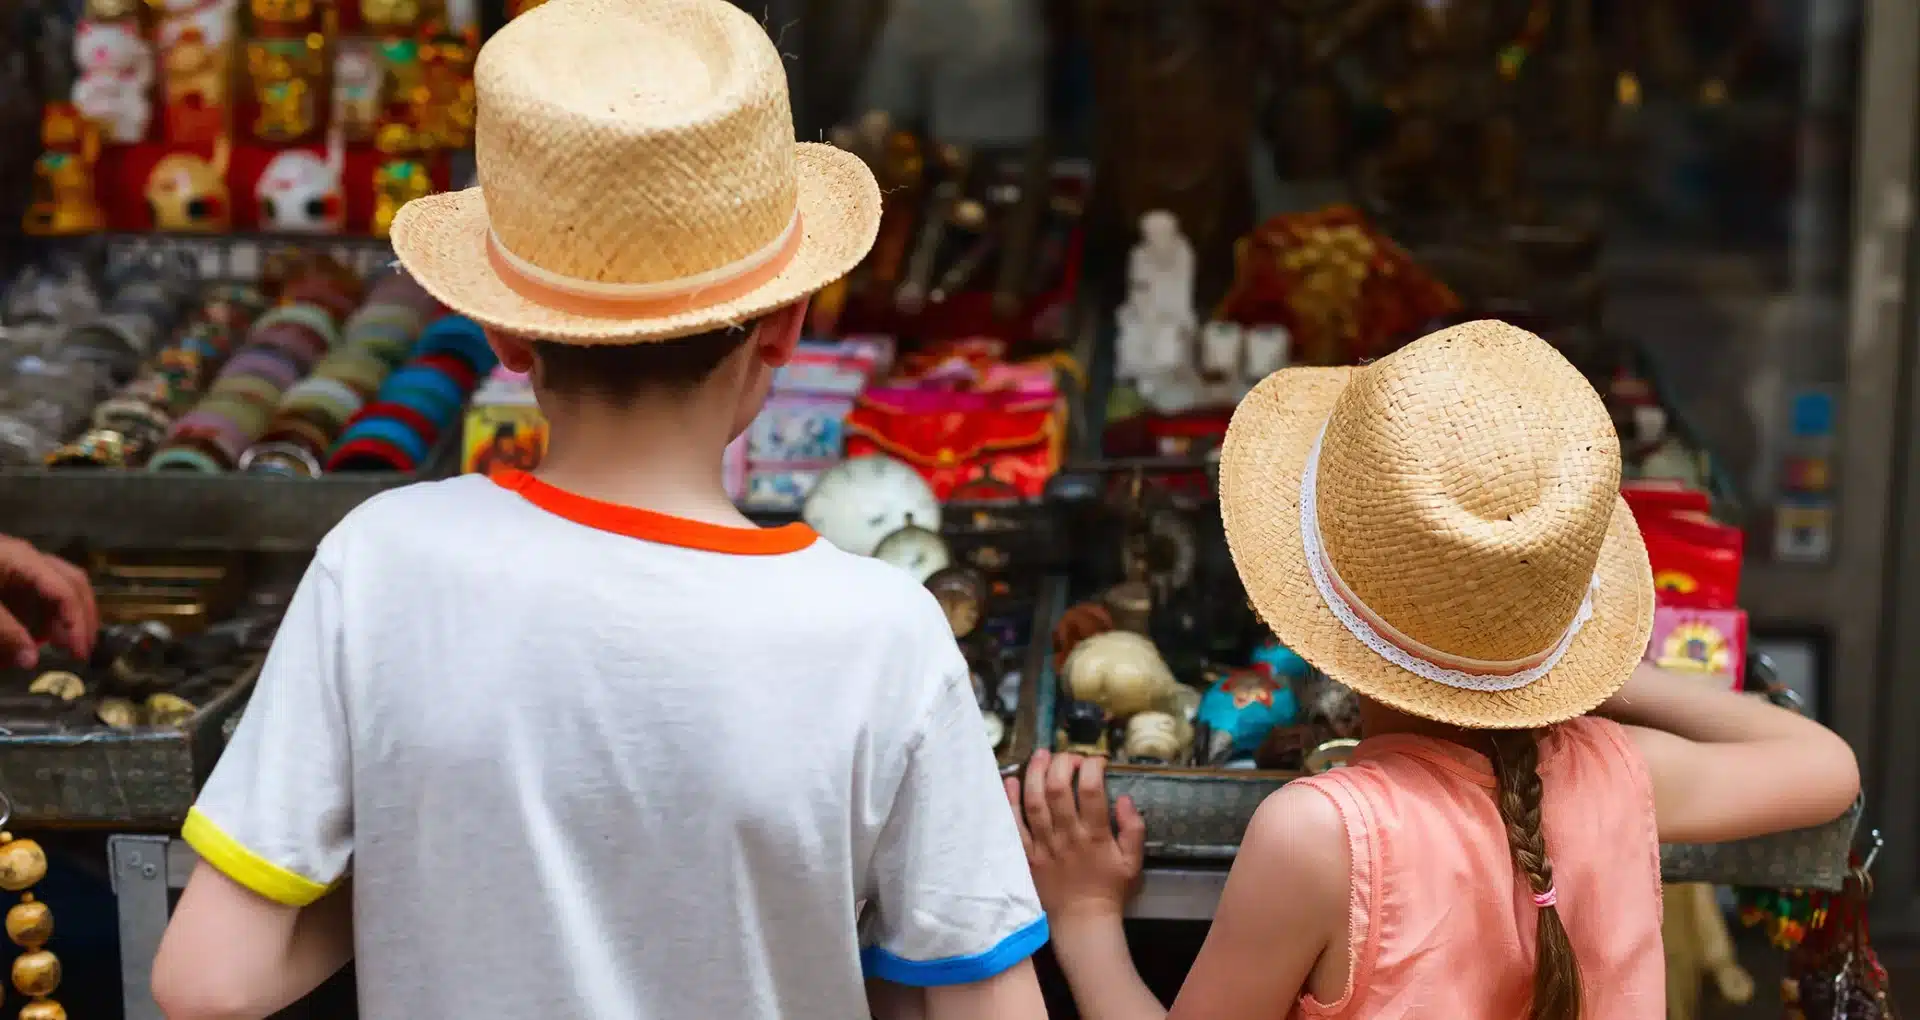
[(515, 353), (779, 332)]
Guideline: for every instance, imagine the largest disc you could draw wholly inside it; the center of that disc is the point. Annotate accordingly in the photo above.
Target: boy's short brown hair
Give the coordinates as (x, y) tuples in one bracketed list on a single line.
[(622, 372)]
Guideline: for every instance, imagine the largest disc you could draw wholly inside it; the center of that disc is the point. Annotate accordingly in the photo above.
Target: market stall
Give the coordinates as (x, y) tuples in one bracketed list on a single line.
[(207, 365)]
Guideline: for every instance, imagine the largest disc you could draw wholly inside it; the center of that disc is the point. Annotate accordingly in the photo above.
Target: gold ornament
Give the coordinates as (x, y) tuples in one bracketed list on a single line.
[(29, 923), (43, 1009), (119, 713), (22, 864), (165, 709), (36, 974), (59, 683)]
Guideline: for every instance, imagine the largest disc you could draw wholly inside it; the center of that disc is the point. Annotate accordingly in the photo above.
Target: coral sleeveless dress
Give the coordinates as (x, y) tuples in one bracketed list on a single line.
[(1442, 928)]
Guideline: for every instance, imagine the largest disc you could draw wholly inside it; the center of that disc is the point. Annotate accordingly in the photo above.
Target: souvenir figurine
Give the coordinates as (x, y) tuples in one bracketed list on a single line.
[(1157, 321), (444, 106), (1221, 346), (862, 500), (111, 10), (63, 194), (116, 70), (1266, 352), (1157, 737), (389, 17), (276, 17), (1122, 672), (286, 89), (1083, 729), (300, 191), (1248, 703), (187, 193), (357, 79), (195, 76), (1077, 624), (395, 183)]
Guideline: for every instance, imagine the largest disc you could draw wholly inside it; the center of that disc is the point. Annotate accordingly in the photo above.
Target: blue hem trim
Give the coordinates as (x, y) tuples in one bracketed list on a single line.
[(876, 962)]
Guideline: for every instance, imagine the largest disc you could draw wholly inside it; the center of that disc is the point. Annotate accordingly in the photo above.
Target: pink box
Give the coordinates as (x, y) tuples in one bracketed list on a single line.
[(1710, 641)]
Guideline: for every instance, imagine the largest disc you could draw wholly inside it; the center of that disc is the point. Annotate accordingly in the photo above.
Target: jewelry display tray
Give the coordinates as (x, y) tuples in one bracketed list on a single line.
[(117, 779), (1198, 815)]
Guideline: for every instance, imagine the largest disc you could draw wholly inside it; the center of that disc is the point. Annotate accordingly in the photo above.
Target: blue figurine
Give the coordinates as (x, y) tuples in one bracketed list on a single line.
[(1249, 703)]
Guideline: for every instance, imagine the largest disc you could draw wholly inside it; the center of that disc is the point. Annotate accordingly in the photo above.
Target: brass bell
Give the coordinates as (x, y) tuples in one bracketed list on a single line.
[(22, 865), (43, 1009), (36, 974), (30, 924)]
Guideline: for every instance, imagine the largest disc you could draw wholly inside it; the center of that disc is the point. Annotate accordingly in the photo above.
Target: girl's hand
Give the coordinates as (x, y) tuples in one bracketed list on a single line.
[(1080, 866)]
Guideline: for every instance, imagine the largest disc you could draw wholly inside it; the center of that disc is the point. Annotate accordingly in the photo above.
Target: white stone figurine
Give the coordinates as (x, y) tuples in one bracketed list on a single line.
[(116, 72), (1157, 321)]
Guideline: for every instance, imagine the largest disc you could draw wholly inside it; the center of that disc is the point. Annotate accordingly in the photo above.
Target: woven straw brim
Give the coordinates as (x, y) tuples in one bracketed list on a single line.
[(1266, 449), (442, 242)]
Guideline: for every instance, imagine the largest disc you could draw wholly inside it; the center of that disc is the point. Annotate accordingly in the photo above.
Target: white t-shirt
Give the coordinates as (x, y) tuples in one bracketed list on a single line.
[(589, 761)]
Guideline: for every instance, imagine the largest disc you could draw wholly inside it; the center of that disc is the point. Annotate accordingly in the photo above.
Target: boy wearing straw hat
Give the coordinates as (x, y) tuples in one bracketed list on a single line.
[(590, 744)]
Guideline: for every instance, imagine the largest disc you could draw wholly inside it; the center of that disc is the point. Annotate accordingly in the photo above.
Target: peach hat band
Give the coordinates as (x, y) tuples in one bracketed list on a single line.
[(630, 300)]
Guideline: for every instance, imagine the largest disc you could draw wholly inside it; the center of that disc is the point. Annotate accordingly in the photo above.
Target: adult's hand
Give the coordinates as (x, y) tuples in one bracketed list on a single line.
[(43, 600)]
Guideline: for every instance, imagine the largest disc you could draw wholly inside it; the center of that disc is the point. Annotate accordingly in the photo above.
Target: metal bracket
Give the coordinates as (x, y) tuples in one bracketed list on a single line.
[(144, 869)]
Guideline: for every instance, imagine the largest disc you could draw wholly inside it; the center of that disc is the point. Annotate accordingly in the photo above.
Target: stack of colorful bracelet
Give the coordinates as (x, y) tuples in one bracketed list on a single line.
[(312, 414), (419, 403), (127, 425), (281, 348)]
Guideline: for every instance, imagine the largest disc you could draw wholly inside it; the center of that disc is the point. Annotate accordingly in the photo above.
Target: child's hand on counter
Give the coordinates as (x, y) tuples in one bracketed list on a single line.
[(1082, 867)]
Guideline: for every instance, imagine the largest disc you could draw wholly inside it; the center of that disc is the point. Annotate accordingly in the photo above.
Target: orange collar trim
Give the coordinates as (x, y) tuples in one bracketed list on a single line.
[(651, 526)]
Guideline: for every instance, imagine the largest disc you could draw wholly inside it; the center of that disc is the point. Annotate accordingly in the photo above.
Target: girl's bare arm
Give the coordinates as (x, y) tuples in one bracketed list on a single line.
[(1728, 766)]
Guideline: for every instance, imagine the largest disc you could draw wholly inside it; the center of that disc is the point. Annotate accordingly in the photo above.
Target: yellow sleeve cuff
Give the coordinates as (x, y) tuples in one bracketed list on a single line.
[(232, 859)]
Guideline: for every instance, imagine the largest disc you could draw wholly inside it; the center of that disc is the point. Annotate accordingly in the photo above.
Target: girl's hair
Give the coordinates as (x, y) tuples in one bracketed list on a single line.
[(1556, 974)]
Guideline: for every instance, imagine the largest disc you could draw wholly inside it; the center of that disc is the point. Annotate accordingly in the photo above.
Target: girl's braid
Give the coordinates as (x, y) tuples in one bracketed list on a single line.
[(1556, 975)]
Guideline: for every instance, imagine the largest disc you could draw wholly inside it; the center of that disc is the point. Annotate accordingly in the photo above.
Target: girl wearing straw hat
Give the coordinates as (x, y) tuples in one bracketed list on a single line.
[(590, 744), (1442, 531)]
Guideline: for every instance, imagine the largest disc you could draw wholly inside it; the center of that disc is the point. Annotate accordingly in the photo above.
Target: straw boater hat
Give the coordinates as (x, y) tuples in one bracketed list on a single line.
[(1442, 530), (639, 180)]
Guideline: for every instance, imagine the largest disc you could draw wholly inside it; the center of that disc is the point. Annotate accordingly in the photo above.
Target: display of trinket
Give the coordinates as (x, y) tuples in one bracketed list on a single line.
[(359, 81), (116, 74), (36, 972), (188, 193), (195, 69), (64, 201), (395, 183), (283, 18), (1342, 290), (287, 76), (862, 500), (302, 192), (444, 104)]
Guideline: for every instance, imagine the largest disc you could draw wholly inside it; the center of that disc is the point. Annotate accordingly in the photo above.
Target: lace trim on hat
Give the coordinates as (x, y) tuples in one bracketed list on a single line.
[(1382, 639)]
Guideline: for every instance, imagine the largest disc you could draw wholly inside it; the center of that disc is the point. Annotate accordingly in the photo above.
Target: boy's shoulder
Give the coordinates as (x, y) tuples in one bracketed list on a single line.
[(880, 591), (403, 515)]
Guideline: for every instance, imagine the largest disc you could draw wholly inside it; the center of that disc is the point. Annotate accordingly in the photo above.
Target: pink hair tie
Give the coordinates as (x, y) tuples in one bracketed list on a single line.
[(1543, 900)]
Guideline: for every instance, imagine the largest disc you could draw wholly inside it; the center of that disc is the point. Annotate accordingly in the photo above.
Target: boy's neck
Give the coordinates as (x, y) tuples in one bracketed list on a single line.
[(663, 456)]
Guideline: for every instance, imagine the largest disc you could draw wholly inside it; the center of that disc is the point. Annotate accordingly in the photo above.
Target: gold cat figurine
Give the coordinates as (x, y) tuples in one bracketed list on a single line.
[(63, 184), (187, 193), (286, 110), (396, 183), (390, 14), (283, 13)]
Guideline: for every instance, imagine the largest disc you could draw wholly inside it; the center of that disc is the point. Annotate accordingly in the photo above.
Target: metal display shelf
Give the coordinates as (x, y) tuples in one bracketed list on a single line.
[(143, 779), (1197, 816), (179, 510)]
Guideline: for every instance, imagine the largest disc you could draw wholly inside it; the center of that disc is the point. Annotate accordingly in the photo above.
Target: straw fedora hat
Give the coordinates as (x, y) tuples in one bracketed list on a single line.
[(638, 180), (1442, 530)]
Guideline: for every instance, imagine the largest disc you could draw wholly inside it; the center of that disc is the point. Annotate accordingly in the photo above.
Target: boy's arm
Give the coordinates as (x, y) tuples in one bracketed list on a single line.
[(269, 954), (954, 906), (264, 919), (1728, 766)]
